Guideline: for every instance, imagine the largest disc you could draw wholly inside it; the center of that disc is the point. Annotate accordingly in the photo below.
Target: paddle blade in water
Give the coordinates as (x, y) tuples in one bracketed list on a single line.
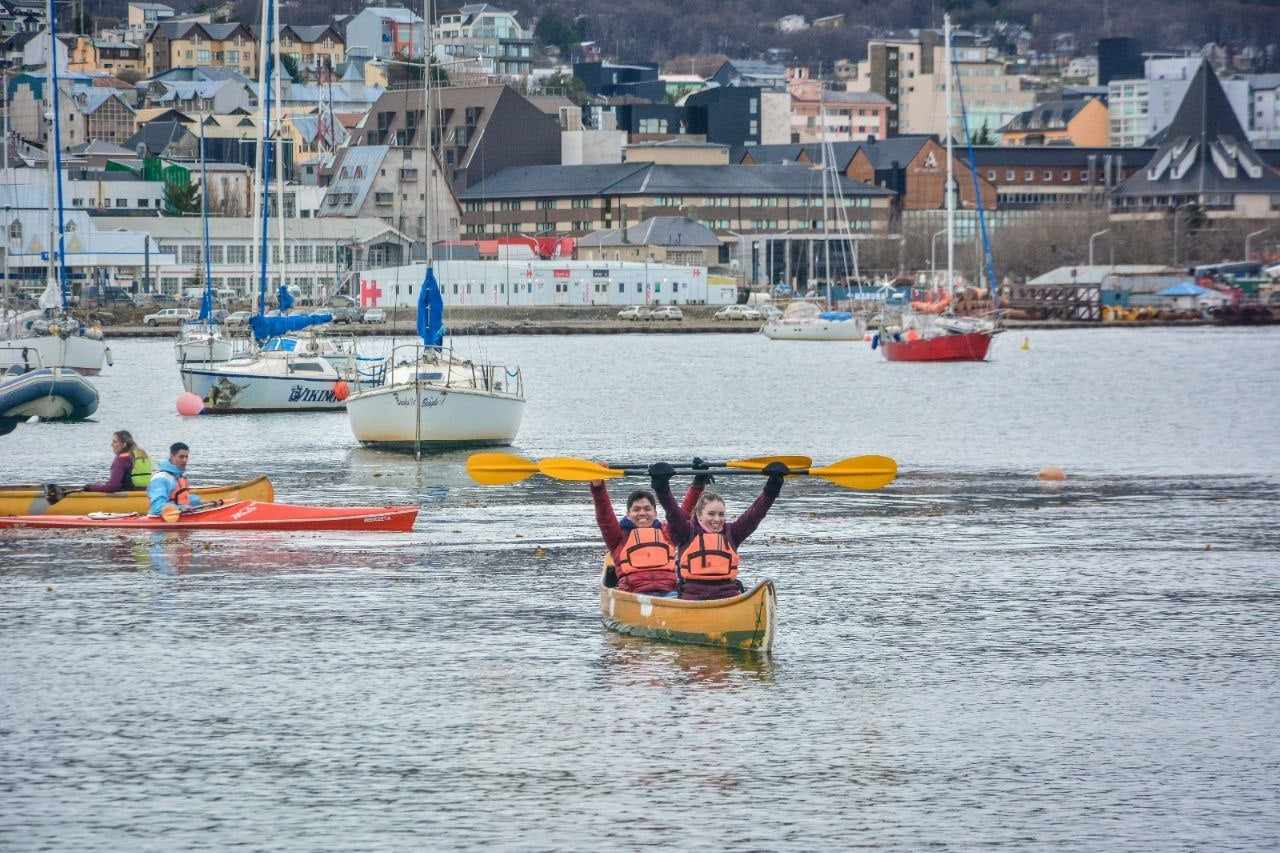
[(758, 463), (859, 472), (171, 513), (578, 470), (499, 469)]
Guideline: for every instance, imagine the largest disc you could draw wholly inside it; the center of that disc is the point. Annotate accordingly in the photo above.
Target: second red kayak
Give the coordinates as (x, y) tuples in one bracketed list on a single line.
[(240, 515)]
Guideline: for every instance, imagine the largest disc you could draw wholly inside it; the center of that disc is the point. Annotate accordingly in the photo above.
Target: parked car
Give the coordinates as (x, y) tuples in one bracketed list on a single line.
[(770, 312), (237, 319), (159, 299), (634, 312), (345, 313), (107, 295), (166, 316), (375, 315), (666, 312), (738, 312)]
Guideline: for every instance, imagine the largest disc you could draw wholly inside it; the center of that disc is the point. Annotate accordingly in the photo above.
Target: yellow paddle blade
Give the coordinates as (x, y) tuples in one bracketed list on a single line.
[(758, 463), (859, 472), (498, 469), (568, 468), (170, 513)]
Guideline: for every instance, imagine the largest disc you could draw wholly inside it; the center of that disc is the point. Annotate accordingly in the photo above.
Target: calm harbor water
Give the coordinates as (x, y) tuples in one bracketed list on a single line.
[(966, 659)]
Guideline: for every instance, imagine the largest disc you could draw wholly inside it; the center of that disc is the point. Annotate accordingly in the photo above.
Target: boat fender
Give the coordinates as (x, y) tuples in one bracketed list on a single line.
[(875, 341), (107, 354), (341, 391)]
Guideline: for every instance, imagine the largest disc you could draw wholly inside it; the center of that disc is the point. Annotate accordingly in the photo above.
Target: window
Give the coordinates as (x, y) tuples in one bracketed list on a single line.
[(144, 202), (1030, 175), (991, 174), (639, 287), (235, 254), (216, 253), (190, 254), (1066, 174), (753, 106), (622, 288), (1010, 175), (1048, 174), (754, 129)]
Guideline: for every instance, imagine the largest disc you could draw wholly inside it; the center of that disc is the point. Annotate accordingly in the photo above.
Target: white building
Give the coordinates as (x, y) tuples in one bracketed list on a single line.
[(321, 254), (491, 36), (1139, 109), (144, 16), (555, 282), (1265, 124), (385, 33)]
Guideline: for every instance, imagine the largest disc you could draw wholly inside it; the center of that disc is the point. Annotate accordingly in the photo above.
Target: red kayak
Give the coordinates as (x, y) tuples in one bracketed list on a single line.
[(240, 515)]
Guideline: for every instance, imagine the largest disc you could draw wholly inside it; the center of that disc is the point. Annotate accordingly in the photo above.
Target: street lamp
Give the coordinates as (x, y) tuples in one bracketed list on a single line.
[(933, 258), (1095, 235), (1249, 239)]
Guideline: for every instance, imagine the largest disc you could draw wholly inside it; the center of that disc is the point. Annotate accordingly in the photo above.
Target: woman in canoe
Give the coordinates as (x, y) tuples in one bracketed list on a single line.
[(644, 558), (130, 469), (707, 565)]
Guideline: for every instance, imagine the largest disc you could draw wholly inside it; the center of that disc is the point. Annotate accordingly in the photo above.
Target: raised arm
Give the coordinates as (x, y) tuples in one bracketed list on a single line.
[(746, 524), (606, 519), (678, 526)]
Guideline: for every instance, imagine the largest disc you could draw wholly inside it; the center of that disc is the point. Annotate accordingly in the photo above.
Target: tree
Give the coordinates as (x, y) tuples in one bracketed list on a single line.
[(554, 29), (568, 85), (181, 199), (290, 66), (984, 136)]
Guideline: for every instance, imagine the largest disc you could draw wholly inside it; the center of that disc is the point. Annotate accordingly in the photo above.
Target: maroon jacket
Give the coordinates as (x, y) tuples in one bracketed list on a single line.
[(119, 480), (615, 533), (682, 529)]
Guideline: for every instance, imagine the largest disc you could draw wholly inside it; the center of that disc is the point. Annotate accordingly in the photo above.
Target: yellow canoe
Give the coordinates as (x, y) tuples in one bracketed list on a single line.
[(743, 622), (30, 500)]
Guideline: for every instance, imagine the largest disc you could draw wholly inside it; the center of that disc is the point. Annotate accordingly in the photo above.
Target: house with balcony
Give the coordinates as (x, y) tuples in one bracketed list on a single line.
[(313, 48), (188, 44), (380, 32), (819, 113), (1083, 122), (492, 35), (141, 18)]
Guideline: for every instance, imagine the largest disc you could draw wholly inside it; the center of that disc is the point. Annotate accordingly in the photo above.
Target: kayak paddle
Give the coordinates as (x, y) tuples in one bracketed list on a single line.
[(499, 469)]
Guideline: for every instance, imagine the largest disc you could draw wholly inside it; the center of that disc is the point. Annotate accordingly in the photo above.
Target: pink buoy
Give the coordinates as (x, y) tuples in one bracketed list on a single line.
[(190, 405), (341, 391), (1052, 473)]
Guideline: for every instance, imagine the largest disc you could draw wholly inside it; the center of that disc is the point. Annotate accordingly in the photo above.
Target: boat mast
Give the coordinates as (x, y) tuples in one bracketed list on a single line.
[(428, 45), (827, 168), (951, 200), (277, 79), (262, 178), (53, 163), (204, 224)]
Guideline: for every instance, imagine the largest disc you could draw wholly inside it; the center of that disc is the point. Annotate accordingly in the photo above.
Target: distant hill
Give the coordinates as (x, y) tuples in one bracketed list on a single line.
[(657, 30)]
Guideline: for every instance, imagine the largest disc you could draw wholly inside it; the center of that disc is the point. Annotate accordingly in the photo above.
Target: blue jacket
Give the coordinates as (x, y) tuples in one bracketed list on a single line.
[(164, 482)]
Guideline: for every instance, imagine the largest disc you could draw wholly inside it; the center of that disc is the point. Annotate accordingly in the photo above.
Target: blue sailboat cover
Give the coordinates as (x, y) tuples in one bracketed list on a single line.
[(431, 311), (269, 327), (285, 298)]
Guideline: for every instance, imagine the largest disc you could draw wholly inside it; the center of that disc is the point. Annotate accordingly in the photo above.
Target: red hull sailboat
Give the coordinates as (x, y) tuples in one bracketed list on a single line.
[(971, 346)]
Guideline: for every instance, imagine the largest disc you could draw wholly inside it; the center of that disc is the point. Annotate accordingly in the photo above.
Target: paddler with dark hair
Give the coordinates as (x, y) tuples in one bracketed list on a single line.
[(707, 563), (130, 469), (642, 553), (169, 484)]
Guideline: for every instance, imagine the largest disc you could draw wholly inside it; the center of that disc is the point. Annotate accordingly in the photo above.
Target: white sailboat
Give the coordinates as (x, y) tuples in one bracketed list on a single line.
[(51, 337), (291, 370), (426, 395), (805, 321)]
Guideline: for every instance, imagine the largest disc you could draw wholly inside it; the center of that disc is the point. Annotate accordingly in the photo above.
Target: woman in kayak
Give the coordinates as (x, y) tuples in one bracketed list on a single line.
[(707, 565), (643, 555), (130, 469)]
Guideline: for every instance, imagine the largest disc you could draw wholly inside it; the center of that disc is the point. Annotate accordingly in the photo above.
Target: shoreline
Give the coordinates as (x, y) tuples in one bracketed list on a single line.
[(618, 327)]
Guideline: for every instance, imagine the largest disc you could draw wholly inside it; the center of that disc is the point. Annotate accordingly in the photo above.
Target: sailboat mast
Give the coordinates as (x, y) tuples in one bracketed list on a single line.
[(827, 169), (951, 198), (428, 39), (263, 158), (204, 221), (53, 162), (278, 80)]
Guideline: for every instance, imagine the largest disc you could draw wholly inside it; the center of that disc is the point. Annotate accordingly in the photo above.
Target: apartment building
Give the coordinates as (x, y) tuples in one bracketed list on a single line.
[(191, 44), (314, 47), (1082, 122), (819, 114), (142, 18), (491, 35), (392, 184), (1141, 108), (92, 54)]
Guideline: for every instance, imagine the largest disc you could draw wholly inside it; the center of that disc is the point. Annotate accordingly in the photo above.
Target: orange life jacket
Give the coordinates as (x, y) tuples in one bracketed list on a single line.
[(181, 494), (647, 549), (709, 558)]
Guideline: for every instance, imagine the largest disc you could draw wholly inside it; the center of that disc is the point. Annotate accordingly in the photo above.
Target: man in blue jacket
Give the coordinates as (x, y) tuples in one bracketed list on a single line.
[(169, 482)]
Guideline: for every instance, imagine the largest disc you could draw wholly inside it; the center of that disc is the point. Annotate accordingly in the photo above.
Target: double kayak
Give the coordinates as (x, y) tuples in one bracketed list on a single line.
[(238, 515), (34, 500), (744, 622)]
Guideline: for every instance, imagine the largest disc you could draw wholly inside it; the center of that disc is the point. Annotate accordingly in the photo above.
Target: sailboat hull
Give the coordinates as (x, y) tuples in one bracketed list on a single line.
[(814, 330), (76, 352), (969, 347), (451, 417), (226, 390)]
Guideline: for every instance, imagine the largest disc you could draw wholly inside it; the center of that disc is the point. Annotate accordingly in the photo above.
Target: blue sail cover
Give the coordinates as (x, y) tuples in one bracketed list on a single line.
[(269, 327), (206, 306), (285, 298), (431, 311)]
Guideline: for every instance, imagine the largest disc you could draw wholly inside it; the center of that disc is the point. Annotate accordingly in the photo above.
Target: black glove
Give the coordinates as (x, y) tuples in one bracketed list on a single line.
[(660, 474), (776, 471), (702, 478)]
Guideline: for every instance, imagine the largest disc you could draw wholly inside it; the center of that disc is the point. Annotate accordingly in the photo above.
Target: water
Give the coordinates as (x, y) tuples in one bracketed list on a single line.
[(966, 659)]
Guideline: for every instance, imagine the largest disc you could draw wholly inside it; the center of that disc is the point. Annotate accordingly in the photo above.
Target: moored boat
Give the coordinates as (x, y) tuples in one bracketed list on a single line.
[(34, 499), (51, 393), (745, 622), (237, 515), (971, 346), (804, 321)]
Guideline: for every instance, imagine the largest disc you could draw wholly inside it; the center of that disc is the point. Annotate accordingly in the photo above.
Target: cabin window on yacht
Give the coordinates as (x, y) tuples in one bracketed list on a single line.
[(308, 365), (622, 287), (639, 287)]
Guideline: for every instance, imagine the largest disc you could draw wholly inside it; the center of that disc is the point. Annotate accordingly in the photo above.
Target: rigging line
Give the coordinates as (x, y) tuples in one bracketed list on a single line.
[(977, 196)]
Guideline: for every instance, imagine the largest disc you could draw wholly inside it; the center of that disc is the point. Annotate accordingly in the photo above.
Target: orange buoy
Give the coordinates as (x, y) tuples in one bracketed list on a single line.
[(911, 335), (340, 390), (190, 405), (1052, 473)]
